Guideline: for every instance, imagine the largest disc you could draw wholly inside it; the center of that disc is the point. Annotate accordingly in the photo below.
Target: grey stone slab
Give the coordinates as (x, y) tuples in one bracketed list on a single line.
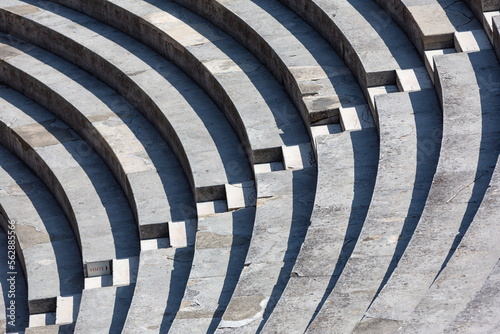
[(464, 274), (285, 44), (128, 66), (104, 310), (481, 313), (115, 140), (402, 122), (68, 167), (373, 48), (457, 189), (223, 76), (346, 169), (152, 301), (279, 228), (221, 244)]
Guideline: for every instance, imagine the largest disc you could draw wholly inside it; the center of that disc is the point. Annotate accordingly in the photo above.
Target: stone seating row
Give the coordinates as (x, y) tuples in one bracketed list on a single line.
[(150, 83), (217, 63), (71, 170), (467, 156), (143, 164), (47, 249)]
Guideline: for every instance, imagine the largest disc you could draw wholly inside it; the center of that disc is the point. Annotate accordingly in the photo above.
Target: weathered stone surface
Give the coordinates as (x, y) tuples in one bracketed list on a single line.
[(457, 188), (103, 310), (403, 121), (160, 284), (481, 313), (154, 87), (83, 186)]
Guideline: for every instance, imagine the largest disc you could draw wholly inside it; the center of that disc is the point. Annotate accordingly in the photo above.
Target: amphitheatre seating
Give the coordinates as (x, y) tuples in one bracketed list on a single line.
[(103, 310), (48, 250), (151, 84), (315, 77), (284, 202), (143, 164), (466, 271), (468, 153), (222, 241), (347, 166), (152, 302), (83, 186), (227, 72), (368, 41), (479, 7), (481, 313), (402, 182)]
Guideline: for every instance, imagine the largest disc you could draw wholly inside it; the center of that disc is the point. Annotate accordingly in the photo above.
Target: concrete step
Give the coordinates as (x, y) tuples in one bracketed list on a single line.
[(103, 310), (316, 79), (237, 82), (161, 280), (370, 43), (347, 166), (83, 186), (481, 313), (468, 156), (143, 164), (401, 186), (284, 204), (222, 241), (165, 96), (47, 248), (467, 270)]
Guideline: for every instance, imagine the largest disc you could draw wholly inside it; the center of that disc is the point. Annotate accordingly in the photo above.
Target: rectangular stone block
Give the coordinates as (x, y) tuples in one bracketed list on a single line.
[(125, 271), (356, 118), (67, 309), (240, 195), (182, 234), (298, 156), (152, 244), (413, 80), (429, 59), (471, 41)]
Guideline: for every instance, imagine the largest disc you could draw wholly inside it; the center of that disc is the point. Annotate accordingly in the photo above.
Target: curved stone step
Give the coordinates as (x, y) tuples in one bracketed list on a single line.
[(481, 313), (401, 186), (222, 241), (166, 96), (13, 317), (143, 164), (284, 203), (468, 155), (316, 79), (481, 6), (236, 81), (103, 310), (153, 303), (370, 43), (47, 248), (347, 166), (467, 270), (85, 189)]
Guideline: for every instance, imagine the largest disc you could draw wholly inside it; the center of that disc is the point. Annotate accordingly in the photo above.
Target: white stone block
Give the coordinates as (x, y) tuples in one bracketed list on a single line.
[(356, 118), (42, 319), (151, 244), (210, 208), (413, 80), (182, 234), (326, 129), (241, 195), (98, 282), (298, 156), (125, 271), (380, 90), (268, 167), (472, 41), (429, 59), (488, 22), (67, 309)]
